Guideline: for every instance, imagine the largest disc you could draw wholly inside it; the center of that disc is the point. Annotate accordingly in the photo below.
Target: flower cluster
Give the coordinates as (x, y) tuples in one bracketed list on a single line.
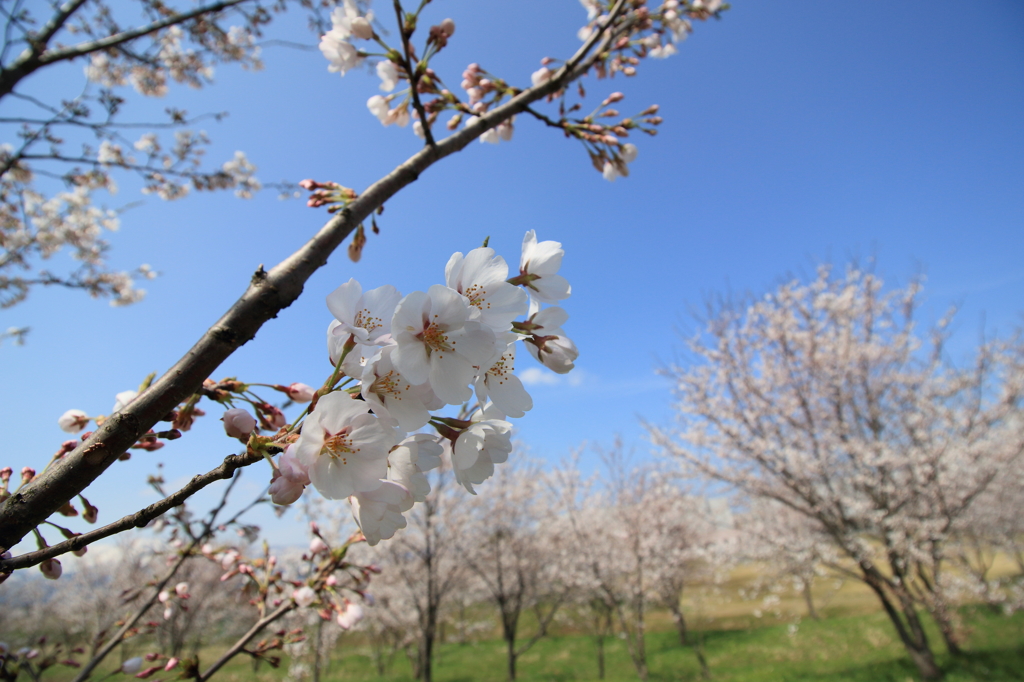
[(409, 356)]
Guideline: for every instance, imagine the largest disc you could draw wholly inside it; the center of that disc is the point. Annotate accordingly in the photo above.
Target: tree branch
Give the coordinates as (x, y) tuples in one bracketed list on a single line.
[(267, 294), (34, 58), (137, 520)]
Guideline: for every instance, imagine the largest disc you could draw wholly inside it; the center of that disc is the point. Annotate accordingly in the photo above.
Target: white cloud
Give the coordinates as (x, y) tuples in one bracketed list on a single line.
[(538, 376)]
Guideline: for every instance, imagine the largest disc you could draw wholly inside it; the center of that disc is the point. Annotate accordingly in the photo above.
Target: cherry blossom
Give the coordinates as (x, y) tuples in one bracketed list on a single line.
[(304, 596), (290, 479), (393, 398), (132, 665), (344, 448), (239, 424), (388, 74), (549, 345), (73, 421), (501, 386), (379, 107), (51, 569), (480, 276), (438, 341), (410, 459), (300, 393), (379, 512), (478, 448), (538, 268), (122, 399), (366, 316), (350, 615)]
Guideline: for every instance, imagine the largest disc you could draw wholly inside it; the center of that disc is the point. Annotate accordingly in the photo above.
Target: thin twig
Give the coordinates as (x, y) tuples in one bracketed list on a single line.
[(130, 623), (136, 520)]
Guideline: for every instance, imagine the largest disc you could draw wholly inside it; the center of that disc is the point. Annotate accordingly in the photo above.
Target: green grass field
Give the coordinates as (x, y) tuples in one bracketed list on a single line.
[(859, 648), (744, 641)]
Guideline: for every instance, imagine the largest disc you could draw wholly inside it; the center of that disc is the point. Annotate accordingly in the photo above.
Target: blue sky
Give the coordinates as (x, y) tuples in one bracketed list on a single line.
[(794, 134)]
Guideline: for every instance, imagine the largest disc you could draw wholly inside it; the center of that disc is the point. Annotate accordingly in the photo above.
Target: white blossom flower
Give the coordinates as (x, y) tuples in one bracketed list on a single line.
[(439, 342), (388, 74), (73, 421), (122, 399), (304, 596), (411, 459), (541, 76), (181, 589), (392, 397), (611, 171), (490, 136), (539, 265), (662, 51), (290, 479), (343, 447), (549, 345), (478, 448), (342, 55), (366, 316), (352, 614), (399, 116), (628, 152), (503, 387), (109, 153), (506, 128), (379, 107), (379, 512), (480, 277), (132, 665)]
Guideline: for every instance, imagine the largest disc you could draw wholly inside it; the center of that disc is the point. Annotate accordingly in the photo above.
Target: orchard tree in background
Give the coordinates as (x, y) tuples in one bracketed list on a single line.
[(512, 550), (67, 148), (824, 397)]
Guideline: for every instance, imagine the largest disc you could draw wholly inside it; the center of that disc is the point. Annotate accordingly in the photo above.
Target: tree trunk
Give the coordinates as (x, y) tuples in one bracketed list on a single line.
[(318, 646), (698, 649), (680, 621), (947, 627), (809, 599), (909, 628), (600, 657), (511, 644)]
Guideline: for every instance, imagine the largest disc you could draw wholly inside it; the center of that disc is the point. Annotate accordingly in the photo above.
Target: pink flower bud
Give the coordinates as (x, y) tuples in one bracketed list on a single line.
[(5, 474), (300, 393), (80, 552), (163, 596), (147, 672), (304, 596), (181, 589), (51, 569), (73, 421), (171, 663), (331, 581), (317, 545), (239, 424), (448, 27), (27, 474), (168, 612)]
